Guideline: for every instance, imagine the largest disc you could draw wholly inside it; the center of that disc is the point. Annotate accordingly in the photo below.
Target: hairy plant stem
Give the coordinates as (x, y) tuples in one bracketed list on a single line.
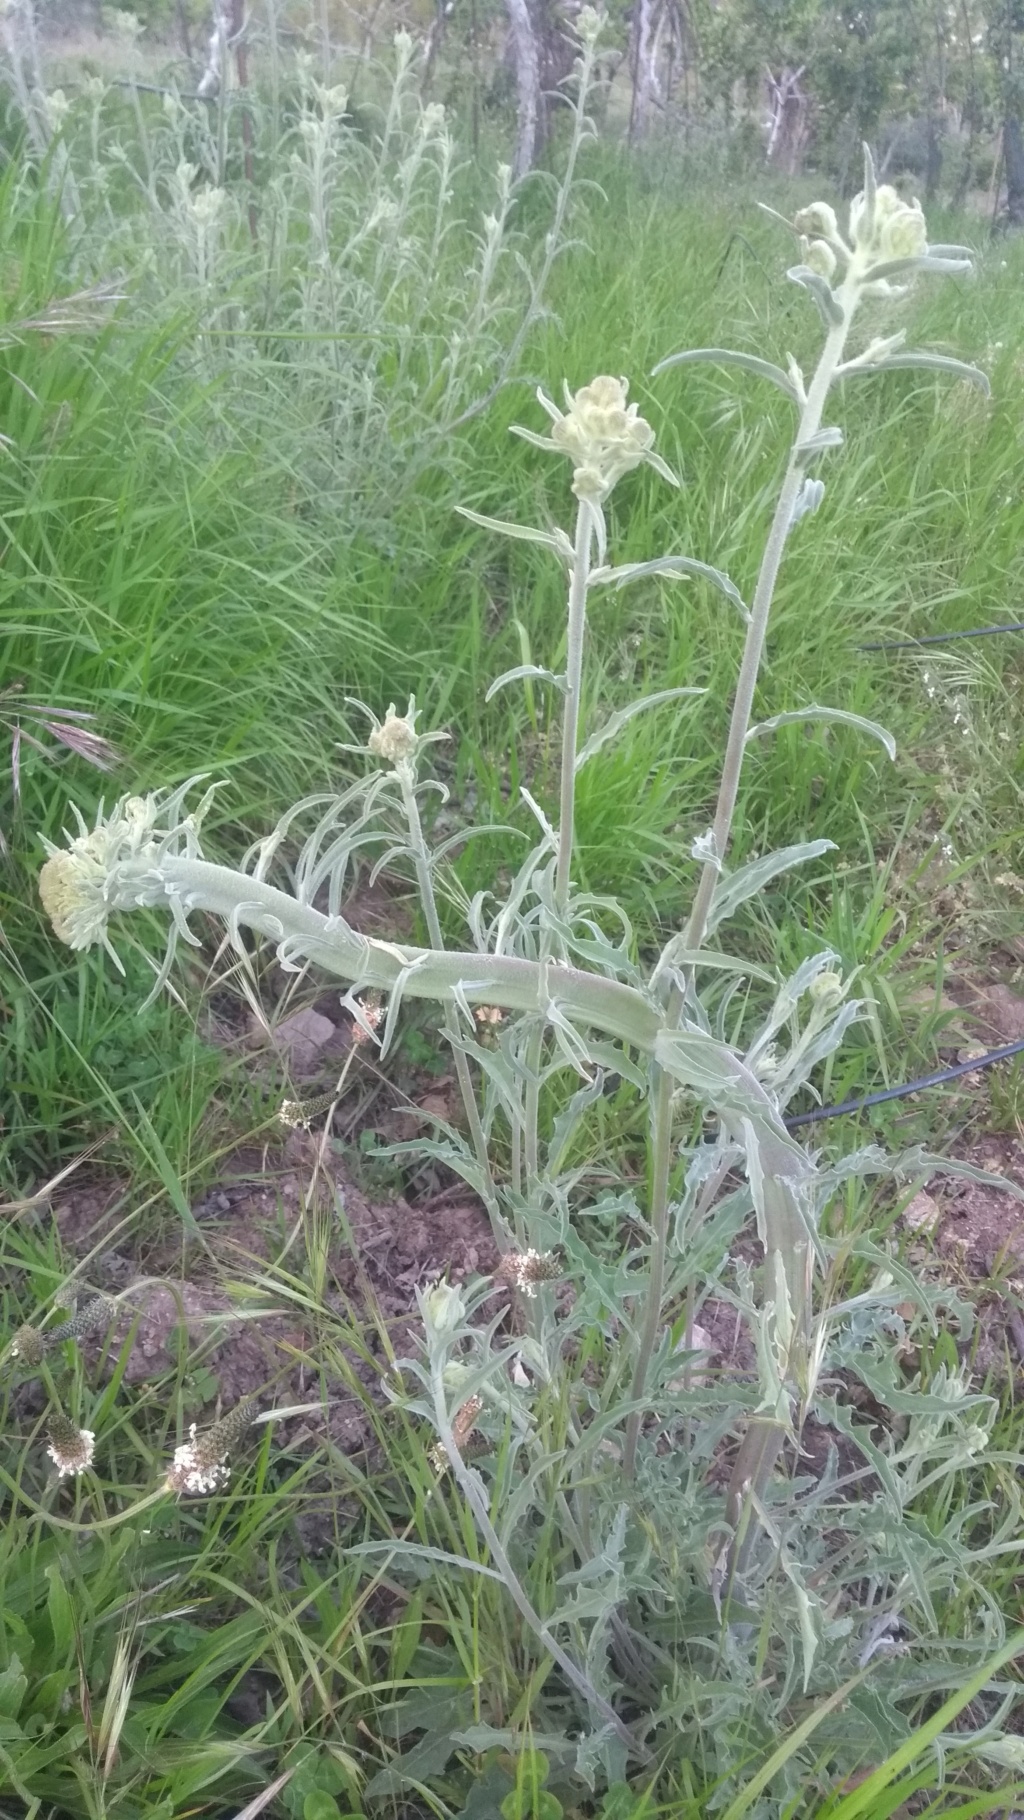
[(424, 878), (575, 638), (510, 981), (472, 1490), (732, 765)]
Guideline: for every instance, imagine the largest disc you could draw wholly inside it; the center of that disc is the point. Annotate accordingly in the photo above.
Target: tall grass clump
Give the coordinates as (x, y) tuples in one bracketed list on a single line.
[(697, 1582), (209, 477)]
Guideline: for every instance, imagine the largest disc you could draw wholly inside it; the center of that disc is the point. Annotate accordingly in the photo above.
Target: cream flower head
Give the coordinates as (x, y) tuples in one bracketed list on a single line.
[(603, 436)]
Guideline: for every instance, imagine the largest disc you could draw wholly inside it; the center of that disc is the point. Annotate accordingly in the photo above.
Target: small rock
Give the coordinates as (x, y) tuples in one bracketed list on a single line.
[(922, 1214), (698, 1341), (301, 1038)]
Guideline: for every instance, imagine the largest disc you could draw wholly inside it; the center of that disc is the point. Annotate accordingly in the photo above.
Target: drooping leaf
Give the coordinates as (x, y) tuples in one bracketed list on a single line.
[(615, 722), (928, 363), (535, 672), (736, 887), (670, 568), (830, 310), (842, 715), (763, 369), (555, 540)]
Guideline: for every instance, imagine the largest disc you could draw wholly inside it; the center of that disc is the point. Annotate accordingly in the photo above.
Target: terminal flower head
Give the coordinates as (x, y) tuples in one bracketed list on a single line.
[(603, 436)]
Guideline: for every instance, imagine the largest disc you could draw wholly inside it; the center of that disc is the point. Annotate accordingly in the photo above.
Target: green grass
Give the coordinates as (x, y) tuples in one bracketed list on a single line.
[(169, 564)]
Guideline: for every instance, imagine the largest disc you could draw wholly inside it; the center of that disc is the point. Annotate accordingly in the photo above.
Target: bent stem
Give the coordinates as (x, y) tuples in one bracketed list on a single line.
[(725, 808)]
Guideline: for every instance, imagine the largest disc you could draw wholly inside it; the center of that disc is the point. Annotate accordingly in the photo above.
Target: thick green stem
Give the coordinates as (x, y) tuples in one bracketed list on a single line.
[(421, 858)]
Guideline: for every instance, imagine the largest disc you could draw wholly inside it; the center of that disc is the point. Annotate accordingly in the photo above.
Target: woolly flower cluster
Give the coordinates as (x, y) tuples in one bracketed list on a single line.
[(76, 883), (883, 228), (603, 436), (524, 1270)]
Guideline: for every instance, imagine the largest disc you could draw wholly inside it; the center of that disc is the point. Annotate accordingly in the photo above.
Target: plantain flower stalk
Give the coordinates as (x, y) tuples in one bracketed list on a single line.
[(71, 1448), (200, 1464)]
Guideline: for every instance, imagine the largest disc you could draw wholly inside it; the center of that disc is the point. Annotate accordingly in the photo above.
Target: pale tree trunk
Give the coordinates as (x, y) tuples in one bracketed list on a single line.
[(644, 40), (527, 62), (789, 121), (1013, 158)]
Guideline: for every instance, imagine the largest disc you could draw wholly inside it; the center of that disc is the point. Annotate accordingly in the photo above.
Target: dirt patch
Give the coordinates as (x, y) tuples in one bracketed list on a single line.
[(269, 1214)]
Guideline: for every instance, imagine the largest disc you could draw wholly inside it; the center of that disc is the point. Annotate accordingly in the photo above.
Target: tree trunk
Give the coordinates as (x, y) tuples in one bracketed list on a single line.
[(643, 38), (1013, 157), (527, 62), (790, 124)]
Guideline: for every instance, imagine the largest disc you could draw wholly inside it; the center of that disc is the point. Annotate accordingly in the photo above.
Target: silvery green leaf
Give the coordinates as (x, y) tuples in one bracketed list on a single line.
[(455, 1156), (830, 438), (842, 715), (809, 498), (455, 840), (736, 887), (538, 441), (786, 1082), (950, 252), (534, 671), (923, 262), (676, 954), (549, 540), (764, 369), (891, 1394), (615, 722), (924, 1163), (830, 310), (670, 568), (929, 363)]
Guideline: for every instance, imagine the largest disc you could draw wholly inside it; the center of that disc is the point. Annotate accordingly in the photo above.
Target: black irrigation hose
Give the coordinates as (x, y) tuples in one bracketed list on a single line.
[(940, 638), (938, 1079)]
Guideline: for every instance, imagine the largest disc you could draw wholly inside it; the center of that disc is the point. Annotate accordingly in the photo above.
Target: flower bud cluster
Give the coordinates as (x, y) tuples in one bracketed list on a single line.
[(524, 1270), (603, 436), (75, 882), (883, 227)]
